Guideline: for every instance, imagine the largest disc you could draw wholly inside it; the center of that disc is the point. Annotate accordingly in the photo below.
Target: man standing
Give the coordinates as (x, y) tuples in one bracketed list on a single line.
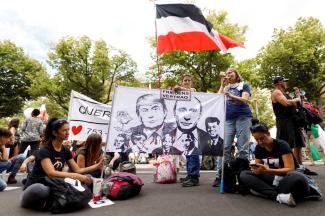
[(284, 109), (187, 114)]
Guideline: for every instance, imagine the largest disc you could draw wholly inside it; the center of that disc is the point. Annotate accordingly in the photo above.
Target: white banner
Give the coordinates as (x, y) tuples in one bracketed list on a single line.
[(143, 121), (87, 116)]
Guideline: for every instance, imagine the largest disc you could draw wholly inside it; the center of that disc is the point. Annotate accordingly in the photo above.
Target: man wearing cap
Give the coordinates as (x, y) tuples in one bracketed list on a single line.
[(284, 109)]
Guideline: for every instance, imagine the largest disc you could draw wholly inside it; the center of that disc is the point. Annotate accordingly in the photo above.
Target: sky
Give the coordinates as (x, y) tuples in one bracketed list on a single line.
[(35, 25)]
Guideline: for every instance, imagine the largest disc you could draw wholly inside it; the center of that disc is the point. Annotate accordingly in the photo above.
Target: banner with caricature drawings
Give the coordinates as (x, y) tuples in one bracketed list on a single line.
[(161, 121), (87, 116)]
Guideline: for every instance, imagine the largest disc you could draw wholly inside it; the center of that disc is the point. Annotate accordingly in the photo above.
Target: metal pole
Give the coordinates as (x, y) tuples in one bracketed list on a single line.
[(109, 126), (222, 188), (256, 110), (157, 55)]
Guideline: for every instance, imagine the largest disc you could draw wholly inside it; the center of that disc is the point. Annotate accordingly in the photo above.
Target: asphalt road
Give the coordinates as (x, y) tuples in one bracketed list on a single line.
[(173, 199)]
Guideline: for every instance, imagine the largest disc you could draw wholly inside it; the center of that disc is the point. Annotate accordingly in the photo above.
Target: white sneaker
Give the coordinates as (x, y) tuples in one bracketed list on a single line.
[(286, 199)]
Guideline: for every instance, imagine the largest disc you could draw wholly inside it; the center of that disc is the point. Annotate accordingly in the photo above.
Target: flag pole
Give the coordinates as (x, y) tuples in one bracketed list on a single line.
[(157, 55), (109, 127), (222, 185)]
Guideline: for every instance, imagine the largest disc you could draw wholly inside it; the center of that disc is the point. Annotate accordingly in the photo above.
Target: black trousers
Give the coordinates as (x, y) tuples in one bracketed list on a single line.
[(294, 183), (34, 146)]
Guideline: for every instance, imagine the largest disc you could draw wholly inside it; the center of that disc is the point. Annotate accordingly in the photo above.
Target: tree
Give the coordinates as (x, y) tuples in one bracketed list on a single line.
[(205, 67), (17, 70), (297, 53), (261, 105), (90, 68)]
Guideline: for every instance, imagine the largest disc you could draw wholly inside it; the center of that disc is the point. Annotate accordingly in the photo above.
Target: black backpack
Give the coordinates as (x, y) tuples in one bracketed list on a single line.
[(232, 170), (208, 162), (66, 198)]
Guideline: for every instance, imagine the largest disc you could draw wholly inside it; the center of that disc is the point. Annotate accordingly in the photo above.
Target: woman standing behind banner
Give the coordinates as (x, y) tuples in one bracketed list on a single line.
[(238, 114), (192, 161), (90, 154)]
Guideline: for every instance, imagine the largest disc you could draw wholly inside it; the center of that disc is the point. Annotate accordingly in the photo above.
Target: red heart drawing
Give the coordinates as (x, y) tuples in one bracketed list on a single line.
[(76, 130)]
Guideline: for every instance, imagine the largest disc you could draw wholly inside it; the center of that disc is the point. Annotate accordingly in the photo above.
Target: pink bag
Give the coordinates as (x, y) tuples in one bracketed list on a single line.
[(165, 170)]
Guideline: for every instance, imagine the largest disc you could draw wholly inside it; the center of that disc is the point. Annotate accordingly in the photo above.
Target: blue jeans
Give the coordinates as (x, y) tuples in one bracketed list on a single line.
[(218, 166), (3, 184), (239, 127), (15, 164), (5, 165), (193, 165)]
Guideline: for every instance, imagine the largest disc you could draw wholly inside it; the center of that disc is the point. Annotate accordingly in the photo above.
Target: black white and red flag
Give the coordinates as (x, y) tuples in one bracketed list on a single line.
[(183, 27)]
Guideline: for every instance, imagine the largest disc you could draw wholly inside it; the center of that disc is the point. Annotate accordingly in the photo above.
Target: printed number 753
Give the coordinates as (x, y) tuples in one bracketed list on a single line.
[(93, 130)]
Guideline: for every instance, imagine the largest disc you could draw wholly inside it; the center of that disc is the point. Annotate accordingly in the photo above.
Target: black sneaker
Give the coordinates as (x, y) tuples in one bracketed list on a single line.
[(184, 179), (216, 182), (191, 182)]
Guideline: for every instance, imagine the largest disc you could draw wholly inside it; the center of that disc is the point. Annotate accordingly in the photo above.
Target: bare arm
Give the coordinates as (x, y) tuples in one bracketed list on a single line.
[(81, 162), (180, 88), (223, 83), (4, 153), (13, 131), (75, 168), (288, 166), (278, 97), (243, 99), (23, 167), (116, 156), (51, 172)]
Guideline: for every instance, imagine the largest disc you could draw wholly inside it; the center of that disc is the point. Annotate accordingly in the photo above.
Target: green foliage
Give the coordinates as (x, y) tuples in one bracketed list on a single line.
[(297, 53), (17, 70), (260, 102), (205, 67), (88, 67)]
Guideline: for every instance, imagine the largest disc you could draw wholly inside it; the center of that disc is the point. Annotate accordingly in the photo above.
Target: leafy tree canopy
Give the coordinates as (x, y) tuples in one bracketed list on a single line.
[(91, 68), (17, 71), (297, 53)]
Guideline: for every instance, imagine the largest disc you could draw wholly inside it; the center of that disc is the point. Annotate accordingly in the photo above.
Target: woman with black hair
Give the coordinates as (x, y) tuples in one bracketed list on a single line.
[(15, 158), (50, 161), (273, 174), (31, 133)]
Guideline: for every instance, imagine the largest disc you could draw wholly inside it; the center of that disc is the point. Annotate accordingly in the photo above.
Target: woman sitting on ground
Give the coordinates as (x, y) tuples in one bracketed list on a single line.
[(50, 161), (273, 175), (90, 154)]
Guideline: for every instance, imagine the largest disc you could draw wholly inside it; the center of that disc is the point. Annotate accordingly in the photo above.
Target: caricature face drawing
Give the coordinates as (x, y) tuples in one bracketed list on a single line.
[(187, 113), (120, 141), (151, 111), (139, 140), (213, 129), (187, 142), (167, 142)]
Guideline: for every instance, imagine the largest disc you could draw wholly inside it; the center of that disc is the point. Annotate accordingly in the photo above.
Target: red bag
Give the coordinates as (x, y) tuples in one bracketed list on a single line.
[(120, 186)]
